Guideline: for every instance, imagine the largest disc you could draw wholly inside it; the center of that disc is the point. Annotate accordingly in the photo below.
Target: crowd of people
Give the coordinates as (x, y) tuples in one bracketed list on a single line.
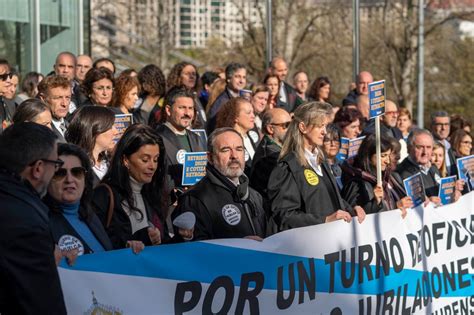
[(69, 187)]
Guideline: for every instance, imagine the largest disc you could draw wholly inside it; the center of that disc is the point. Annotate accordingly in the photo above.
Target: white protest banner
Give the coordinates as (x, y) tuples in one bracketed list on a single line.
[(422, 264)]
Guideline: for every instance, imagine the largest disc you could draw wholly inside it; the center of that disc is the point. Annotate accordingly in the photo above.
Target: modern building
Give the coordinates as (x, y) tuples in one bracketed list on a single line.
[(33, 32)]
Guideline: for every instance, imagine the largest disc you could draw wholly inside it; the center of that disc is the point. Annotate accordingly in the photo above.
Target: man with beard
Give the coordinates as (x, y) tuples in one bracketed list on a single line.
[(29, 281), (275, 124), (223, 203), (177, 117)]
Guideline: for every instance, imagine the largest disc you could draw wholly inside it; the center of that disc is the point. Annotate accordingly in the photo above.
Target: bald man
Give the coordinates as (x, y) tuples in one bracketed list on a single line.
[(362, 88), (275, 124), (287, 97), (83, 65)]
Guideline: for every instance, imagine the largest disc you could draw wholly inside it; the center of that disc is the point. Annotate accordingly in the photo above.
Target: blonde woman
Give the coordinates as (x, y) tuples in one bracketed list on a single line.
[(302, 189)]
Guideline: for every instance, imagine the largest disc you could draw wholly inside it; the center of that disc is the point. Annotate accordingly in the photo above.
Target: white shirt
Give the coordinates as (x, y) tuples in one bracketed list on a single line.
[(57, 124), (248, 147), (282, 94), (312, 158)]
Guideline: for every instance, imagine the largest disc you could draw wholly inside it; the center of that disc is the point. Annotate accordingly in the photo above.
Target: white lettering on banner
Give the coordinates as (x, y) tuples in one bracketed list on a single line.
[(422, 264)]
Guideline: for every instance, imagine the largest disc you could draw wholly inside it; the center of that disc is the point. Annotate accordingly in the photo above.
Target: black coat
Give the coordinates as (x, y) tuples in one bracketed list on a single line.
[(60, 226), (223, 98), (29, 280), (296, 202), (173, 146), (407, 168), (221, 212), (351, 98), (388, 131), (120, 228), (291, 99), (264, 161)]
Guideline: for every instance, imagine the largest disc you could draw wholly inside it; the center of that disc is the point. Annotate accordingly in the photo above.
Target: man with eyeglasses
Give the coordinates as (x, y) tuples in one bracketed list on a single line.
[(440, 127), (275, 123), (55, 91), (5, 83), (28, 161), (420, 147)]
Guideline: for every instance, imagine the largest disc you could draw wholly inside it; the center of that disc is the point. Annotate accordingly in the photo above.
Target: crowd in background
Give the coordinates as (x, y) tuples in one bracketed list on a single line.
[(272, 149)]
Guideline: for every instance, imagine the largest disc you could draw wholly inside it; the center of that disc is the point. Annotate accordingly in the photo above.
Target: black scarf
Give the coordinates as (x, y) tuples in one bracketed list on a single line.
[(240, 194)]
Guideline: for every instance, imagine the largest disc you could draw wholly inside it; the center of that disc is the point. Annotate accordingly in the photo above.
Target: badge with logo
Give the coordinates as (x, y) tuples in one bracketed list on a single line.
[(252, 134), (231, 214), (311, 177), (246, 155), (69, 242), (180, 156)]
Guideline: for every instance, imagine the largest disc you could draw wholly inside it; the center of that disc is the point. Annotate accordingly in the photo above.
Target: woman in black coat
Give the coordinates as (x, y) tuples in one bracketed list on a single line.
[(360, 180), (131, 201), (302, 188), (73, 224)]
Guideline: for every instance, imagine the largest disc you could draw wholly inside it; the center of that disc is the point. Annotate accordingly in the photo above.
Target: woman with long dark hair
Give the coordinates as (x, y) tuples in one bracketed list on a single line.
[(92, 128), (131, 201), (320, 90), (360, 180)]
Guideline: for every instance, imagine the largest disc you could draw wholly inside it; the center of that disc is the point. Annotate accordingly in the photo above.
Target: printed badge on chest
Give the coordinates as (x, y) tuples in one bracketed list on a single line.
[(180, 156), (69, 242), (231, 214)]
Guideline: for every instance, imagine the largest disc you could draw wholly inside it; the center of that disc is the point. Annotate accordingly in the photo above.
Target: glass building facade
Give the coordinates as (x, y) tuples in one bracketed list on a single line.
[(33, 32)]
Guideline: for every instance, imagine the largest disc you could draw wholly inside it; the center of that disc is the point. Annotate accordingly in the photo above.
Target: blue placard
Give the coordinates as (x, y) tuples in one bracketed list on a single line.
[(447, 187), (466, 170), (415, 190), (376, 98), (121, 123), (194, 167), (343, 149), (354, 145)]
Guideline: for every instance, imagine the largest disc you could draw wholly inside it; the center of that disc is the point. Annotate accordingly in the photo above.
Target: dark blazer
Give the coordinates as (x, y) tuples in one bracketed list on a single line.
[(296, 202), (29, 280), (223, 98), (264, 161), (172, 147), (408, 168), (291, 99), (56, 131)]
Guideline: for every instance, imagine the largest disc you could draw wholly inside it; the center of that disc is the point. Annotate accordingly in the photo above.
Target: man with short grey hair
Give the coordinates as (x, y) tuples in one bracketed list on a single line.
[(440, 127), (420, 148), (222, 201)]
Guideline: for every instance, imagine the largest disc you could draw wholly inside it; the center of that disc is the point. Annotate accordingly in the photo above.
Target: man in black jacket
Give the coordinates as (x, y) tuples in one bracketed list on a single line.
[(223, 203), (28, 161), (180, 110), (362, 88), (275, 124), (420, 148)]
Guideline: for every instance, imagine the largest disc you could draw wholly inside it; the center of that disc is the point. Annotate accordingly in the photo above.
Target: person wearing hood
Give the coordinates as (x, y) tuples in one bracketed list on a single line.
[(360, 180), (223, 203)]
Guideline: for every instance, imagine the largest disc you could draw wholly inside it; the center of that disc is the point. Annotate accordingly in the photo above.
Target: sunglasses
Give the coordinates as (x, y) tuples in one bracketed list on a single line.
[(6, 76), (77, 172), (284, 125)]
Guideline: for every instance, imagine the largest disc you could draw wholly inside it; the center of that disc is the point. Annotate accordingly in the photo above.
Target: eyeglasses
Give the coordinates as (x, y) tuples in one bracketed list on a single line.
[(331, 140), (284, 125), (6, 76), (78, 172), (103, 88), (57, 163), (442, 125)]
